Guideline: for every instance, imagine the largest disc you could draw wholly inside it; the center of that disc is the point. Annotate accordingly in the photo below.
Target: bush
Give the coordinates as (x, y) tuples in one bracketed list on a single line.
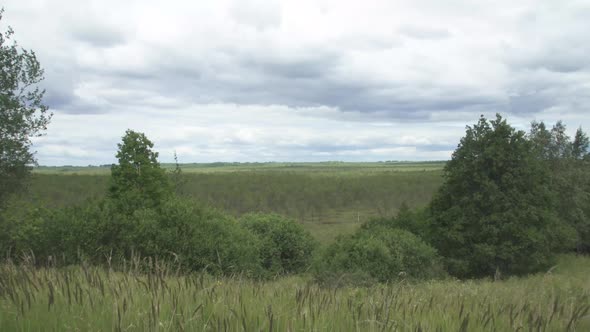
[(377, 253), (415, 221), (286, 247), (21, 229), (201, 238), (196, 238)]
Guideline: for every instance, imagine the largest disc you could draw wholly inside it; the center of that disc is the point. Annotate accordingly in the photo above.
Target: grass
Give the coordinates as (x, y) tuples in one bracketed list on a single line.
[(81, 298)]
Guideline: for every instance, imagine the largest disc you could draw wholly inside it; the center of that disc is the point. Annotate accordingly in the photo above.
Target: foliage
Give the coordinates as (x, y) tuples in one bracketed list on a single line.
[(138, 181), (581, 146), (197, 238), (569, 171), (178, 181), (286, 246), (495, 210), (22, 112), (415, 221), (378, 253)]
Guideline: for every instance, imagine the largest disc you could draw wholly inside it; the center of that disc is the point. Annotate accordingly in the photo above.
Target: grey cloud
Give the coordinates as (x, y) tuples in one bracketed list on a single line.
[(259, 14), (530, 103), (418, 32), (315, 67), (436, 147), (97, 36), (303, 83), (57, 99), (561, 56)]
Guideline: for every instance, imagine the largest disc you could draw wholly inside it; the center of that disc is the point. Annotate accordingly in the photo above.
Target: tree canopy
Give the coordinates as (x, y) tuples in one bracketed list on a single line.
[(569, 166), (138, 181), (23, 114), (496, 210)]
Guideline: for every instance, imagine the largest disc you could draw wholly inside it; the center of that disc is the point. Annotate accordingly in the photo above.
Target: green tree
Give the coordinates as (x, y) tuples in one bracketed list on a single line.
[(496, 210), (22, 112), (580, 146), (178, 180), (541, 140), (569, 167), (138, 181)]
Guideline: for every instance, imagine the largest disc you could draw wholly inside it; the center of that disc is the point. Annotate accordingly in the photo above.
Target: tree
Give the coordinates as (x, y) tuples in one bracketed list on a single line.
[(22, 112), (569, 167), (581, 145), (541, 139), (138, 181), (496, 210), (178, 181)]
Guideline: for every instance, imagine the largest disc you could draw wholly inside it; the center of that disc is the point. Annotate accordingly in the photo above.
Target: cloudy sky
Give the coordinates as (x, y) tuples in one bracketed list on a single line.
[(300, 80)]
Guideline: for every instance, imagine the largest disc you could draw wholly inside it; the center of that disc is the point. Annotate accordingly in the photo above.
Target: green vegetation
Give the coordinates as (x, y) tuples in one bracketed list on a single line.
[(142, 216), (138, 181), (568, 163), (22, 112), (495, 211), (326, 204), (286, 247), (81, 298), (374, 254)]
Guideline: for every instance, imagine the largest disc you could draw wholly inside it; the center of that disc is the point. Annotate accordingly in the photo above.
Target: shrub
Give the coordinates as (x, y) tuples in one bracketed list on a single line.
[(415, 221), (377, 253), (201, 238), (21, 229), (197, 238), (286, 247)]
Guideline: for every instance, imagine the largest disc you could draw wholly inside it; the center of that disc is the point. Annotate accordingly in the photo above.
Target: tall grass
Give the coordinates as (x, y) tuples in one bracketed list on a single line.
[(83, 298)]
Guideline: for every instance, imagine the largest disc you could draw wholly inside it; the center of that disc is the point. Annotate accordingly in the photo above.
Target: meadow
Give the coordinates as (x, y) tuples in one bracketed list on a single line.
[(328, 198)]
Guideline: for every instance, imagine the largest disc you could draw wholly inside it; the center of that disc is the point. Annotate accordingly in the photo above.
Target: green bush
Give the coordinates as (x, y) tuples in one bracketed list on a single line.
[(201, 238), (378, 253), (21, 229), (416, 221), (286, 247), (197, 238)]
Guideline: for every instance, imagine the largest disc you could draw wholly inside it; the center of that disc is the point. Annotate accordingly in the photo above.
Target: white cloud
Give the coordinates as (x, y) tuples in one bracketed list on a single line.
[(300, 80)]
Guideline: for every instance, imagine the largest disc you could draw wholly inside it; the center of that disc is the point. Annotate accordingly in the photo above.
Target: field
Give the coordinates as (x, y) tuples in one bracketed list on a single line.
[(328, 198)]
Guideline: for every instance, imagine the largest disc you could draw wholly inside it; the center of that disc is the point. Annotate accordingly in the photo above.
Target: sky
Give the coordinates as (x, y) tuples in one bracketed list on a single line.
[(299, 80)]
